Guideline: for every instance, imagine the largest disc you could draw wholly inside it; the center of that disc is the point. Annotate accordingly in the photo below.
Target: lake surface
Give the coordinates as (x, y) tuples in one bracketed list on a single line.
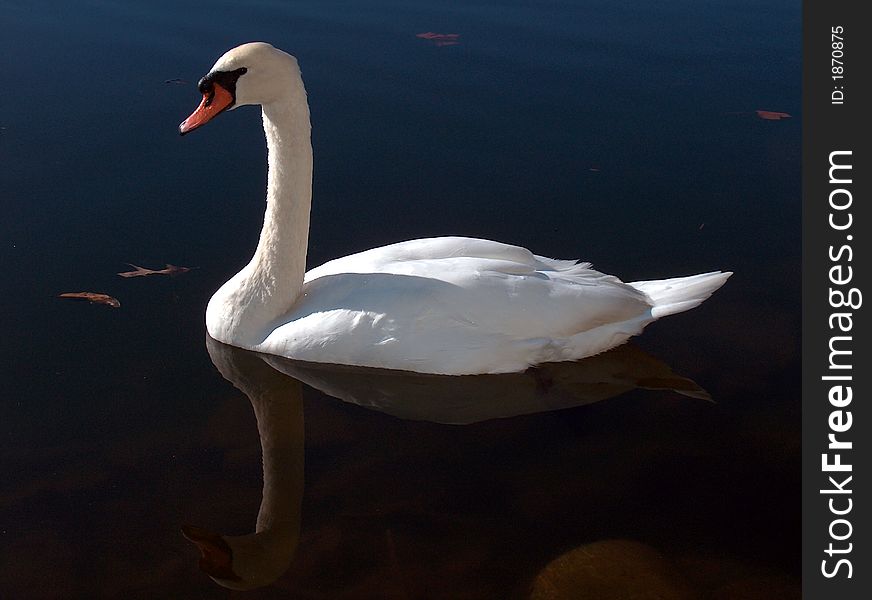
[(623, 133)]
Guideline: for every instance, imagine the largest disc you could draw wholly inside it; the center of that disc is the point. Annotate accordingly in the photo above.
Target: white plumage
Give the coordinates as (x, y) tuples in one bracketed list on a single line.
[(449, 305)]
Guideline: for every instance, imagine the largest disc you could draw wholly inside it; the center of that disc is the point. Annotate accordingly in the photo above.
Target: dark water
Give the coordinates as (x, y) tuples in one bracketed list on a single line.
[(622, 133)]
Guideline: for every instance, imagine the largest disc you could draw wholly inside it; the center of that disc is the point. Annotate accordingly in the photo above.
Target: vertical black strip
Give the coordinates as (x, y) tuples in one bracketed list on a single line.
[(837, 299)]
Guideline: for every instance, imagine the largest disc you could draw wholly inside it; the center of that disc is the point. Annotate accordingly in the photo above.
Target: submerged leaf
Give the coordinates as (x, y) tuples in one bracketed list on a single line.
[(93, 298)]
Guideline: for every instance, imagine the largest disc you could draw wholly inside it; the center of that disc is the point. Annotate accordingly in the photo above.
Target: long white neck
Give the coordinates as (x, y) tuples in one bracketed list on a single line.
[(279, 262), (242, 310)]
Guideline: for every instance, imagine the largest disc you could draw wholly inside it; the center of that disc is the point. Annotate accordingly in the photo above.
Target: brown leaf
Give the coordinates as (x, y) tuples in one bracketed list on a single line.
[(139, 272), (172, 270), (769, 115), (93, 298)]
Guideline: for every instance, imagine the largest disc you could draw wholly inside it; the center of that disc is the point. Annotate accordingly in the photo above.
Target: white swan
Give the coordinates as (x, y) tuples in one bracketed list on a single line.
[(447, 305)]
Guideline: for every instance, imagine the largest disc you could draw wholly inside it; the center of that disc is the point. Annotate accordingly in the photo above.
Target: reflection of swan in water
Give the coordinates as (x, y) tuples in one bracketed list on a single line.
[(465, 399), (249, 561), (254, 560)]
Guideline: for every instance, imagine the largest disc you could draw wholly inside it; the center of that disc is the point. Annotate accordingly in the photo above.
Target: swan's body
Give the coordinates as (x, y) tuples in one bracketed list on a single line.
[(447, 305)]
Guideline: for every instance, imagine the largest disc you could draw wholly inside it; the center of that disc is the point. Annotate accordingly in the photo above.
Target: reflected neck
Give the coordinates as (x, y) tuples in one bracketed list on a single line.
[(263, 556)]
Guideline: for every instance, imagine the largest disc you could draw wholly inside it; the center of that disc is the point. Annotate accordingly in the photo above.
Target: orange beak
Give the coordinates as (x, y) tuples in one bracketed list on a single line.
[(214, 102)]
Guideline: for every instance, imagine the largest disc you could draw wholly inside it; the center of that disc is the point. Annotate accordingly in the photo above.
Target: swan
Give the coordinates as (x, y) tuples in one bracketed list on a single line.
[(444, 305)]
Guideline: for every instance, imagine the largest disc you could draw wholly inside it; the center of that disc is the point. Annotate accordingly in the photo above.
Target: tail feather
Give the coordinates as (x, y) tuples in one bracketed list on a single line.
[(679, 294)]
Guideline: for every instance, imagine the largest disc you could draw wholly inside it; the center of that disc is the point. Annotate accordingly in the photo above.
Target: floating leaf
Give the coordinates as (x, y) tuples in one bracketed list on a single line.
[(171, 270), (440, 39), (769, 115), (93, 298)]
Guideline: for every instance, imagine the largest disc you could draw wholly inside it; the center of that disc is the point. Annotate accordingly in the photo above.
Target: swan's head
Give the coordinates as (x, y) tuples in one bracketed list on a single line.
[(253, 73), (243, 562)]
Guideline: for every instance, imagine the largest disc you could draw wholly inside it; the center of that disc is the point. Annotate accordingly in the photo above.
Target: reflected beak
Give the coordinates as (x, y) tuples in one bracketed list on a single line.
[(214, 102), (216, 558)]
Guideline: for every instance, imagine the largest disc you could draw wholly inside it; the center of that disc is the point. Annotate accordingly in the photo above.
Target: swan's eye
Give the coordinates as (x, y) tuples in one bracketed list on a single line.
[(204, 86), (226, 79)]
